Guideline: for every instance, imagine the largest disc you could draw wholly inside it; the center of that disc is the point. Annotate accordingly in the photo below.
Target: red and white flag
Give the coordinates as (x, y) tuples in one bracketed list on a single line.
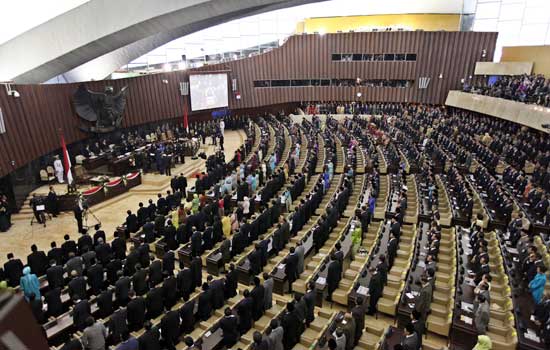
[(66, 161)]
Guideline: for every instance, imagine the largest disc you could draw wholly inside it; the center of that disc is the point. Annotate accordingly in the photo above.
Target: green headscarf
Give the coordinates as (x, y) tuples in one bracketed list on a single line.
[(483, 343)]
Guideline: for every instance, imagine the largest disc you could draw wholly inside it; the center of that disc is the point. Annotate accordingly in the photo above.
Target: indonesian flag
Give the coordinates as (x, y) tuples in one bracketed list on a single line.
[(66, 161), (185, 120)]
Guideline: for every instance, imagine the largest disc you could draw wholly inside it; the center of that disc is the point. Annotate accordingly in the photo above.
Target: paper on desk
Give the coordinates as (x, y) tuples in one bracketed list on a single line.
[(467, 307), (281, 266), (409, 295), (512, 250), (321, 280), (466, 319), (362, 290)]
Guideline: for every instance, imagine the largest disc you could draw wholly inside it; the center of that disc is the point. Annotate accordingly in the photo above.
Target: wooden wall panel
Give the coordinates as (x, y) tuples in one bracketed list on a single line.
[(33, 120)]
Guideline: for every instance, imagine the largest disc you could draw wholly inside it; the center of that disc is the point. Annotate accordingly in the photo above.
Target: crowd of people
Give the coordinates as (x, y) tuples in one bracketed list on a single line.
[(527, 88)]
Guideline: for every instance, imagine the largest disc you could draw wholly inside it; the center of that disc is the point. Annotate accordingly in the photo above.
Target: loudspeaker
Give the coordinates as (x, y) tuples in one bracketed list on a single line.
[(233, 84), (184, 88)]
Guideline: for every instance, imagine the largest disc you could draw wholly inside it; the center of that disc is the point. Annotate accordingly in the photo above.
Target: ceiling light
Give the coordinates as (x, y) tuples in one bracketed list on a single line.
[(167, 67)]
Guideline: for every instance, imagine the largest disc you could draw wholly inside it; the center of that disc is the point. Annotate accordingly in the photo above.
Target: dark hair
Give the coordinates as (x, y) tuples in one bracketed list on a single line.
[(256, 281), (416, 314), (409, 327), (53, 244), (10, 255), (34, 248), (125, 335), (89, 321)]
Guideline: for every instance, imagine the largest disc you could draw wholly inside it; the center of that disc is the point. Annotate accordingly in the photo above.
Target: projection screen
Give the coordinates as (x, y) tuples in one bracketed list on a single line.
[(208, 91)]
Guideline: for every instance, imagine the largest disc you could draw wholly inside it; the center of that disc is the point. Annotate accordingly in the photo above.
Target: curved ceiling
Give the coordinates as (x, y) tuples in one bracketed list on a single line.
[(102, 35)]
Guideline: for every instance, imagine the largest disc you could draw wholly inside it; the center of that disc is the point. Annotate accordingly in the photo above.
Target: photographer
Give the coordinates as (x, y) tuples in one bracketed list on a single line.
[(38, 207), (78, 212)]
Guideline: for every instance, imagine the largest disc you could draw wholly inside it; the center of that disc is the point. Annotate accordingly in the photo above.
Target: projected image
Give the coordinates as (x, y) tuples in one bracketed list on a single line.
[(208, 91)]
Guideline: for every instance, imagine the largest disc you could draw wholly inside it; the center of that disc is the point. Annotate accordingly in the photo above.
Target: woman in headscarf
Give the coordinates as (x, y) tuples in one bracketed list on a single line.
[(29, 284), (483, 343), (195, 204)]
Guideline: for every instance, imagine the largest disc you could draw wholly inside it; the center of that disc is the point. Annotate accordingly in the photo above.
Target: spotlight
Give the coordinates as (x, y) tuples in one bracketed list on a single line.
[(14, 93), (167, 67), (359, 94)]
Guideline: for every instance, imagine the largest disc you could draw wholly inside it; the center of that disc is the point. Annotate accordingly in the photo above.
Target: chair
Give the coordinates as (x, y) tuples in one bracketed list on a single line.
[(50, 170), (44, 176)]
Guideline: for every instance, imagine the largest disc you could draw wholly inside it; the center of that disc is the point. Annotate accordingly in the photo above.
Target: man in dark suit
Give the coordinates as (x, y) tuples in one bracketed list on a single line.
[(155, 304), (217, 292), (131, 222), (230, 328), (13, 269), (258, 297), (81, 311), (291, 268), (395, 228), (139, 280), (185, 283), (131, 260), (205, 303), (37, 261), (424, 300), (254, 259), (168, 262), (358, 313), (410, 341), (150, 340), (122, 287), (53, 300), (291, 327), (155, 272), (244, 310), (196, 269), (142, 214), (392, 249), (85, 240), (118, 245), (169, 290), (56, 254), (105, 303), (187, 316), (135, 311), (103, 251), (112, 267), (375, 291), (196, 242), (333, 276), (310, 299), (68, 246), (95, 277), (99, 234), (77, 286), (54, 275), (162, 205), (170, 328), (231, 282)]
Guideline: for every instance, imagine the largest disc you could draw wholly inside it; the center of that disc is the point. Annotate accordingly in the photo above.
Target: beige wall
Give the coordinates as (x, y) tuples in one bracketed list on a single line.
[(539, 55), (529, 115), (503, 68)]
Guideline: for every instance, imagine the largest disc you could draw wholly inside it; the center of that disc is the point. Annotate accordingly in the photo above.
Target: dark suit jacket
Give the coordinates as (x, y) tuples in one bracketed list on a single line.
[(333, 275), (187, 316), (155, 304), (81, 312), (139, 282), (14, 270), (218, 296), (150, 340), (230, 285), (155, 273), (257, 295), (53, 300), (105, 303), (244, 309), (67, 247), (55, 276), (170, 326), (291, 267), (170, 291), (230, 329), (85, 241), (38, 262), (205, 305), (185, 282), (255, 259), (196, 268), (118, 246), (103, 252), (57, 255), (122, 287), (135, 312), (168, 262), (77, 286), (95, 277)]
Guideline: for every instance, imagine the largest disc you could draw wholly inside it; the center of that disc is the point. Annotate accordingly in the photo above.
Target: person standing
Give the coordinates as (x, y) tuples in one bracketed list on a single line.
[(52, 203), (94, 335), (536, 286), (29, 284), (58, 166)]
